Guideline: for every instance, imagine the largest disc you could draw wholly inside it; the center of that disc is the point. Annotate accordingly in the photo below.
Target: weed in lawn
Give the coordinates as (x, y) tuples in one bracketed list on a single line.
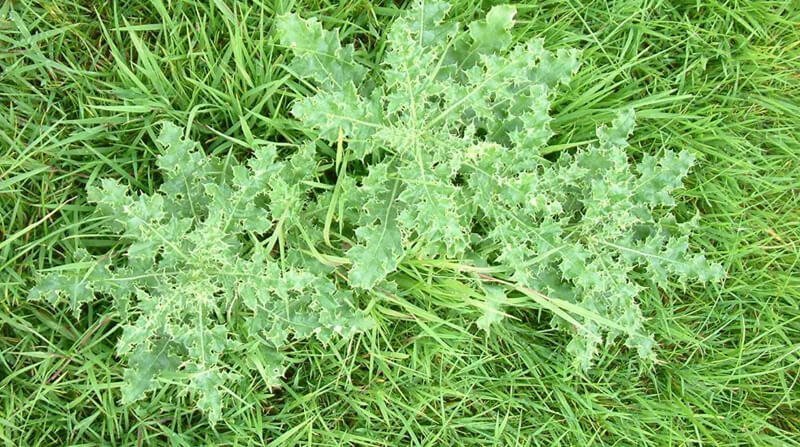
[(716, 78)]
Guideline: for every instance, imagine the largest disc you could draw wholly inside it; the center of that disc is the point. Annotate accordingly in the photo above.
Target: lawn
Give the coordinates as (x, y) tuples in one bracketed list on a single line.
[(86, 85)]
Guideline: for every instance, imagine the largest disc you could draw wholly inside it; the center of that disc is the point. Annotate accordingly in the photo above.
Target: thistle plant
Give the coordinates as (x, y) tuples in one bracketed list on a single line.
[(441, 155), (452, 130), (199, 281)]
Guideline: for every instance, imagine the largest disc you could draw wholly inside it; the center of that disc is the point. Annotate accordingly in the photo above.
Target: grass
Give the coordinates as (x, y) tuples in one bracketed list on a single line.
[(82, 83)]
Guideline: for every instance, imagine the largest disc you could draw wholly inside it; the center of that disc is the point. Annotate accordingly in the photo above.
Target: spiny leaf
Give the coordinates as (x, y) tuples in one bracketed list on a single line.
[(493, 312), (319, 54), (378, 254), (493, 32)]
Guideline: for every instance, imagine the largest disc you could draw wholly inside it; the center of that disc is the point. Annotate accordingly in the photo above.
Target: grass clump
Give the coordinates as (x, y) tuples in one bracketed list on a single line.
[(85, 86)]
